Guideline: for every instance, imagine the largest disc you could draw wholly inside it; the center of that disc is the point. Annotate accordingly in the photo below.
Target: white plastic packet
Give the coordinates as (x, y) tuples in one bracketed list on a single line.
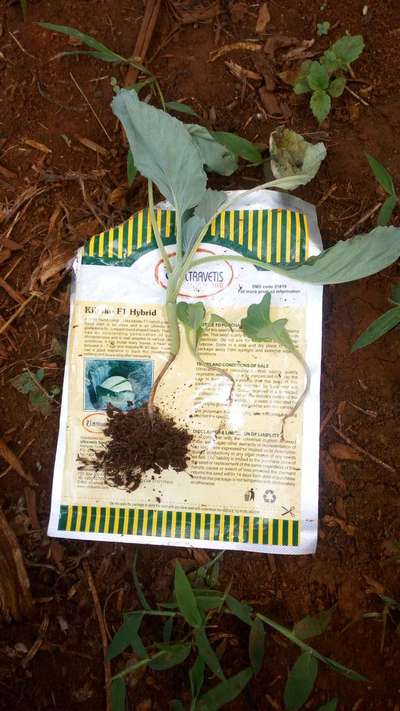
[(245, 488)]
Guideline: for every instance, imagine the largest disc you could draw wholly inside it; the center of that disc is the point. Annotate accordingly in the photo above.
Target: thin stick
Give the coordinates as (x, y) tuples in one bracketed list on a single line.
[(25, 449), (363, 451), (144, 38), (356, 96), (90, 107), (103, 633), (10, 291), (16, 314), (363, 219)]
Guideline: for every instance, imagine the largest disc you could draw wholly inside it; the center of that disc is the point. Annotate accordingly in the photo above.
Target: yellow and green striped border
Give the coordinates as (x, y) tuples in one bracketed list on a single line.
[(276, 236), (226, 528)]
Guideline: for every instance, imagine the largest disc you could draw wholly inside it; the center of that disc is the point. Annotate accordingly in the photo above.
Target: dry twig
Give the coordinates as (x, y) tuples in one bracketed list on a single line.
[(103, 633)]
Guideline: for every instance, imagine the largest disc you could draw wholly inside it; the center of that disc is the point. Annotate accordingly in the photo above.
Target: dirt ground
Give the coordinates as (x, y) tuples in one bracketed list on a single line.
[(55, 191)]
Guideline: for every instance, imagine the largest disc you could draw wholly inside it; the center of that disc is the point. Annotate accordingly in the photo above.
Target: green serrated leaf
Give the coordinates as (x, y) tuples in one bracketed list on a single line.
[(257, 645), (258, 326), (323, 28), (386, 211), (171, 656), (154, 137), (301, 86), (378, 328), (239, 609), (191, 315), (238, 145), (207, 653), (382, 175), (128, 636), (185, 598), (224, 692), (216, 157), (337, 87), (118, 695), (318, 77), (182, 108), (313, 625), (196, 676), (330, 61), (329, 706), (131, 170), (300, 681), (348, 48), (320, 104)]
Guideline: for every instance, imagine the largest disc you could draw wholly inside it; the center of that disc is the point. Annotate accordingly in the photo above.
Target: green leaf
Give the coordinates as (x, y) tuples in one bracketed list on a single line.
[(207, 653), (210, 602), (138, 586), (171, 656), (337, 667), (320, 104), (317, 76), (210, 203), (192, 316), (196, 676), (29, 384), (24, 8), (185, 598), (118, 695), (330, 61), (131, 170), (128, 635), (104, 53), (329, 706), (215, 157), (239, 609), (348, 48), (323, 28), (300, 681), (167, 629), (378, 328), (238, 145), (190, 231), (337, 87), (163, 150), (292, 155), (257, 645), (386, 211), (258, 326), (313, 625), (301, 86), (216, 318), (182, 108), (224, 692), (382, 175)]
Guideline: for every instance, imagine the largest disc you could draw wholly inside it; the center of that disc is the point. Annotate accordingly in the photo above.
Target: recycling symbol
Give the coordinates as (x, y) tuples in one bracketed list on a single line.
[(269, 496)]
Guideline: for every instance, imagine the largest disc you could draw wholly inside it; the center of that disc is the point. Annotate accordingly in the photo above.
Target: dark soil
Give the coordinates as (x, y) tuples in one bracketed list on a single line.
[(77, 190), (140, 443)]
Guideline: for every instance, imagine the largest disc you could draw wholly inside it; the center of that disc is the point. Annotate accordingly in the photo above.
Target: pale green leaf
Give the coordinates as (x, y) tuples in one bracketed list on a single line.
[(386, 211), (215, 157), (118, 695), (258, 326), (382, 175), (320, 104), (300, 682), (131, 170), (182, 108), (224, 692), (209, 205), (329, 706), (323, 28), (171, 656), (317, 76), (164, 151), (185, 598), (337, 87), (196, 676), (191, 315), (207, 653), (348, 48), (313, 625), (238, 145), (257, 645), (216, 318), (190, 231), (292, 155), (378, 328)]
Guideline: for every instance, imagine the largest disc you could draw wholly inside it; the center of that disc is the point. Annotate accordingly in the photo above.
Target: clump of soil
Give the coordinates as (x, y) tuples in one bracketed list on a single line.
[(139, 443)]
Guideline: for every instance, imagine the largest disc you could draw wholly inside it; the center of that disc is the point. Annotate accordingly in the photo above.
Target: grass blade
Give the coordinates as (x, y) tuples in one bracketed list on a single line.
[(257, 645), (300, 681), (138, 586), (186, 599), (329, 706), (171, 656), (225, 691), (196, 676), (128, 635), (313, 625), (386, 211), (383, 177), (182, 108), (239, 609), (238, 145), (378, 328), (118, 695), (24, 8), (207, 653)]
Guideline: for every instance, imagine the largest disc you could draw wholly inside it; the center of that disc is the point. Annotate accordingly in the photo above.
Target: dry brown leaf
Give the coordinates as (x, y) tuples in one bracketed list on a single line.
[(241, 73), (289, 76), (263, 18), (35, 144), (332, 521), (55, 259), (243, 46), (339, 450), (8, 455), (374, 587), (270, 102), (15, 593), (10, 244), (117, 197), (6, 173), (88, 143), (331, 470), (278, 42), (238, 11), (4, 255), (299, 52)]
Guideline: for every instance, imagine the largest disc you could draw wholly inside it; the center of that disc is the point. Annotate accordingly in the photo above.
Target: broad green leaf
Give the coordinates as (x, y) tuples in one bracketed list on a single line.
[(320, 104), (196, 676), (208, 206), (257, 645), (330, 61), (386, 211), (164, 151), (348, 48), (258, 326), (337, 86), (238, 145), (185, 598), (323, 28), (214, 156), (215, 318), (167, 629), (317, 76), (171, 656), (118, 695), (131, 170), (383, 176), (395, 294), (128, 635), (300, 682), (313, 625), (329, 706), (190, 231), (291, 154), (191, 315), (207, 653), (224, 692), (378, 328), (182, 108), (239, 609)]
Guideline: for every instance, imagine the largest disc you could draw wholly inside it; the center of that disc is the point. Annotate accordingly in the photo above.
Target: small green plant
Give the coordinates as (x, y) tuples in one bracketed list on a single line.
[(30, 384), (391, 610), (24, 8), (323, 28), (188, 626), (385, 180), (325, 78)]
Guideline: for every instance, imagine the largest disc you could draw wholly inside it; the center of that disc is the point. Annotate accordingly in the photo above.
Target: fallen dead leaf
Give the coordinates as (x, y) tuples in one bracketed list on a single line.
[(88, 143), (374, 587), (263, 18), (54, 260), (15, 592), (8, 455), (339, 450), (6, 173), (235, 46), (331, 470), (270, 102), (35, 144), (332, 521), (241, 73)]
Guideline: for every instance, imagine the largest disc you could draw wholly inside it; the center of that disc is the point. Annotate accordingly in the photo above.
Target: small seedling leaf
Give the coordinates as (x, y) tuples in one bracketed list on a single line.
[(323, 28), (258, 326), (215, 318), (329, 706), (191, 315), (337, 87), (210, 203), (185, 598), (386, 211), (182, 108), (311, 626), (300, 681), (29, 384), (301, 86), (330, 61), (196, 676), (128, 635), (317, 76), (239, 146), (214, 156), (378, 328), (106, 54), (348, 48), (171, 656), (383, 176), (224, 692), (131, 170), (292, 155), (167, 629), (118, 695), (209, 602), (320, 104), (207, 653), (257, 645), (239, 609), (138, 586)]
